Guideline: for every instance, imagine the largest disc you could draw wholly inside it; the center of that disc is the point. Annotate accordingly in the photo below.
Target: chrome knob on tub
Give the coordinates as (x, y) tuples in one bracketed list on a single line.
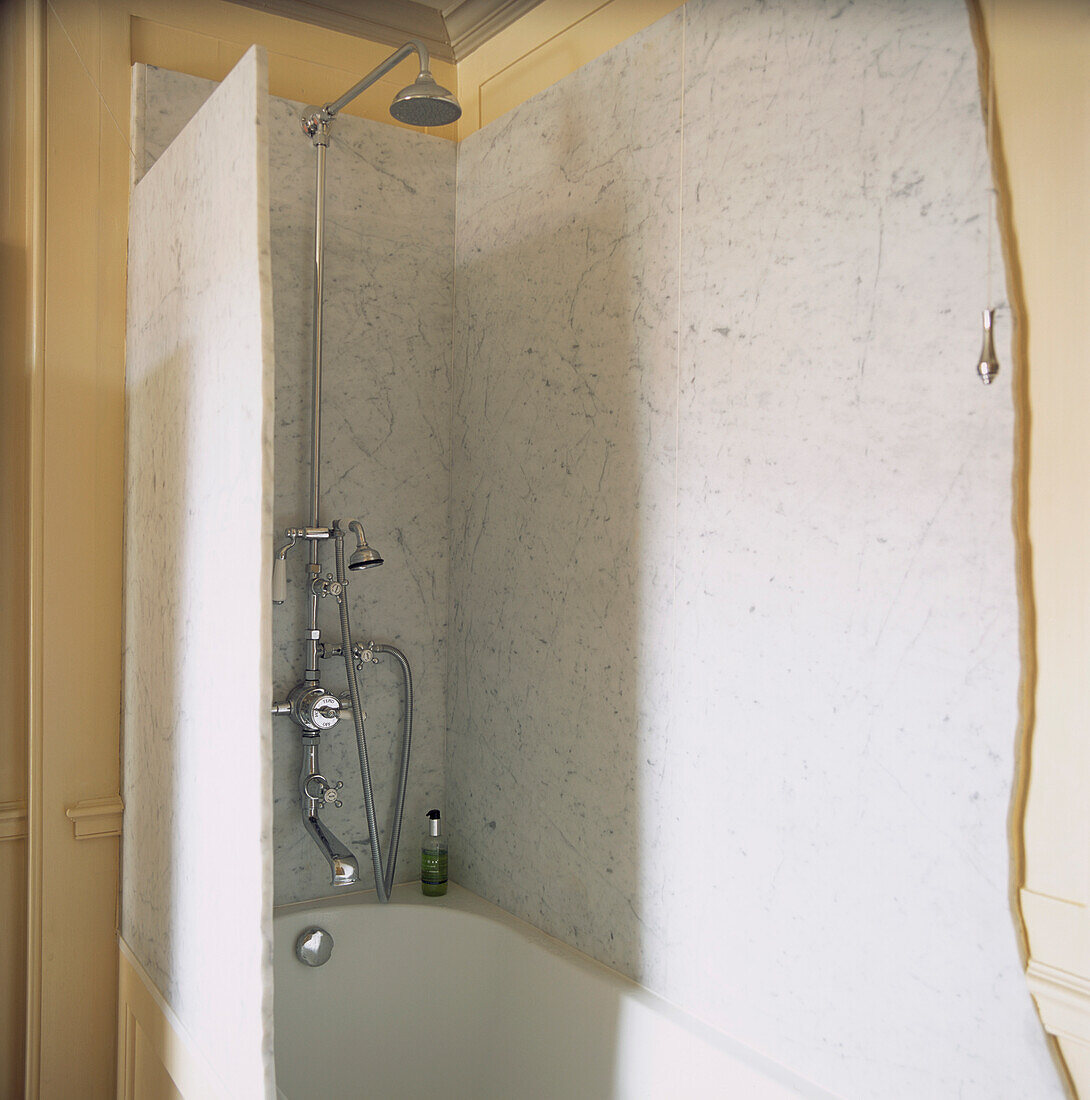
[(314, 946)]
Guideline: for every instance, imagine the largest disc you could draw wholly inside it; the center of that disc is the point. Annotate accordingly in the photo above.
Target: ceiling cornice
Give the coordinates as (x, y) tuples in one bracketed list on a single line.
[(472, 23), (451, 32)]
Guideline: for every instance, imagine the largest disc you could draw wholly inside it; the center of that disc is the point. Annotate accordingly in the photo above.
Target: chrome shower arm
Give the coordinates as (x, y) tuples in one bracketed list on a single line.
[(399, 55), (316, 120)]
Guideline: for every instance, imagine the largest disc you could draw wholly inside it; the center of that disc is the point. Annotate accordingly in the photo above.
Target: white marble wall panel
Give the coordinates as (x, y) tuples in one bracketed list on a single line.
[(764, 768), (386, 432), (846, 703), (197, 752), (566, 388)]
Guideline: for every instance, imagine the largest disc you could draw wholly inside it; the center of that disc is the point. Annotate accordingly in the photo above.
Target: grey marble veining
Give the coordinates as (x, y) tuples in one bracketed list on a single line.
[(847, 659), (565, 383), (386, 431), (198, 525), (734, 648), (166, 101)]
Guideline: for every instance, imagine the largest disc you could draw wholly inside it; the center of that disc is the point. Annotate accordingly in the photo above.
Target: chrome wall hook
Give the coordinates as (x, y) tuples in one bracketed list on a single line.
[(988, 364)]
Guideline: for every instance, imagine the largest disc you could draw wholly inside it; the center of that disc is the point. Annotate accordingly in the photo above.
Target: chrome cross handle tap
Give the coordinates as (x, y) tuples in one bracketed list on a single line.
[(321, 790), (326, 586), (364, 655)]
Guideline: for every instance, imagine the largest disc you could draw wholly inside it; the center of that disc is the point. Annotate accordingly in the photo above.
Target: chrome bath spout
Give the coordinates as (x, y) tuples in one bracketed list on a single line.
[(344, 869), (316, 791)]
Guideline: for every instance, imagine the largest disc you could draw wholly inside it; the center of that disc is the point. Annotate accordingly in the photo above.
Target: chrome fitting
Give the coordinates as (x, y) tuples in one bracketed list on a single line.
[(343, 865), (320, 789), (364, 655), (327, 586), (314, 946), (315, 123), (308, 533), (312, 707)]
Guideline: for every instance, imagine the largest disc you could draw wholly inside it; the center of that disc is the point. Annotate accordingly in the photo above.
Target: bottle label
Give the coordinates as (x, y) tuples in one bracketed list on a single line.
[(433, 868)]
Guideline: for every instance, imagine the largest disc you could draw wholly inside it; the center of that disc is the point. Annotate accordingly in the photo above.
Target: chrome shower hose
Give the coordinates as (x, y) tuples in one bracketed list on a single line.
[(383, 881)]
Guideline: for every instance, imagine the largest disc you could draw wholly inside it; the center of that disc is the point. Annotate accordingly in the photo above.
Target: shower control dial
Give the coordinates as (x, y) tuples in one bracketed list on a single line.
[(313, 708)]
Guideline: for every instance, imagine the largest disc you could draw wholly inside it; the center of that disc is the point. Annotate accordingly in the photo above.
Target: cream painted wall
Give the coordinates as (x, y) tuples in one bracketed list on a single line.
[(306, 64), (76, 650), (1042, 61), (16, 231), (76, 495), (1041, 56)]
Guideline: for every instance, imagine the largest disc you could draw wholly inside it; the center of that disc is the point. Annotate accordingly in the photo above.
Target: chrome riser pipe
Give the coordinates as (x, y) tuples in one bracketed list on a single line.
[(423, 104), (321, 144)]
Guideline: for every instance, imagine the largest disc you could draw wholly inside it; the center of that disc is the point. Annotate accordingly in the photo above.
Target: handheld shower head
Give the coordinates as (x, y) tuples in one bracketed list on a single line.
[(425, 103), (363, 557)]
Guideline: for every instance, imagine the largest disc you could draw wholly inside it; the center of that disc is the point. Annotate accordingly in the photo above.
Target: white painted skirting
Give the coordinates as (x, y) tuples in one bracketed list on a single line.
[(156, 1058), (1063, 1000)]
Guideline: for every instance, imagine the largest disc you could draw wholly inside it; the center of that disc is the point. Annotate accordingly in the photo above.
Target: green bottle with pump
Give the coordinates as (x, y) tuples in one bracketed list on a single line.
[(433, 859)]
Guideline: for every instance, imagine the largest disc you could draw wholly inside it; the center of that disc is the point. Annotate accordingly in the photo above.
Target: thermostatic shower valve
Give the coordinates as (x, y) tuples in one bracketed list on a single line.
[(313, 708)]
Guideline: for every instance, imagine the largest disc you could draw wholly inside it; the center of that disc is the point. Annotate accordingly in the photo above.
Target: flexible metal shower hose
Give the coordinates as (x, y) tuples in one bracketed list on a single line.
[(383, 882), (406, 742)]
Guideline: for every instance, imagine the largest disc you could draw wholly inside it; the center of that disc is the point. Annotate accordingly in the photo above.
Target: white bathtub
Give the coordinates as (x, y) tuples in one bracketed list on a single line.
[(453, 997)]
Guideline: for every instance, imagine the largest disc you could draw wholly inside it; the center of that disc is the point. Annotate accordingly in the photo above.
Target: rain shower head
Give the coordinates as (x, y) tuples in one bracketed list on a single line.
[(364, 556), (422, 103), (425, 103)]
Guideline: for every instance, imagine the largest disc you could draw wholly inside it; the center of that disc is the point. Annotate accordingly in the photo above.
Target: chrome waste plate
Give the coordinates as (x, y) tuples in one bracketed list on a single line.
[(314, 946)]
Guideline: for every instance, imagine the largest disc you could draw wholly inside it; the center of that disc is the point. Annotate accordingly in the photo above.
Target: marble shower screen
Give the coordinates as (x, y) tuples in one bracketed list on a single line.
[(196, 855)]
